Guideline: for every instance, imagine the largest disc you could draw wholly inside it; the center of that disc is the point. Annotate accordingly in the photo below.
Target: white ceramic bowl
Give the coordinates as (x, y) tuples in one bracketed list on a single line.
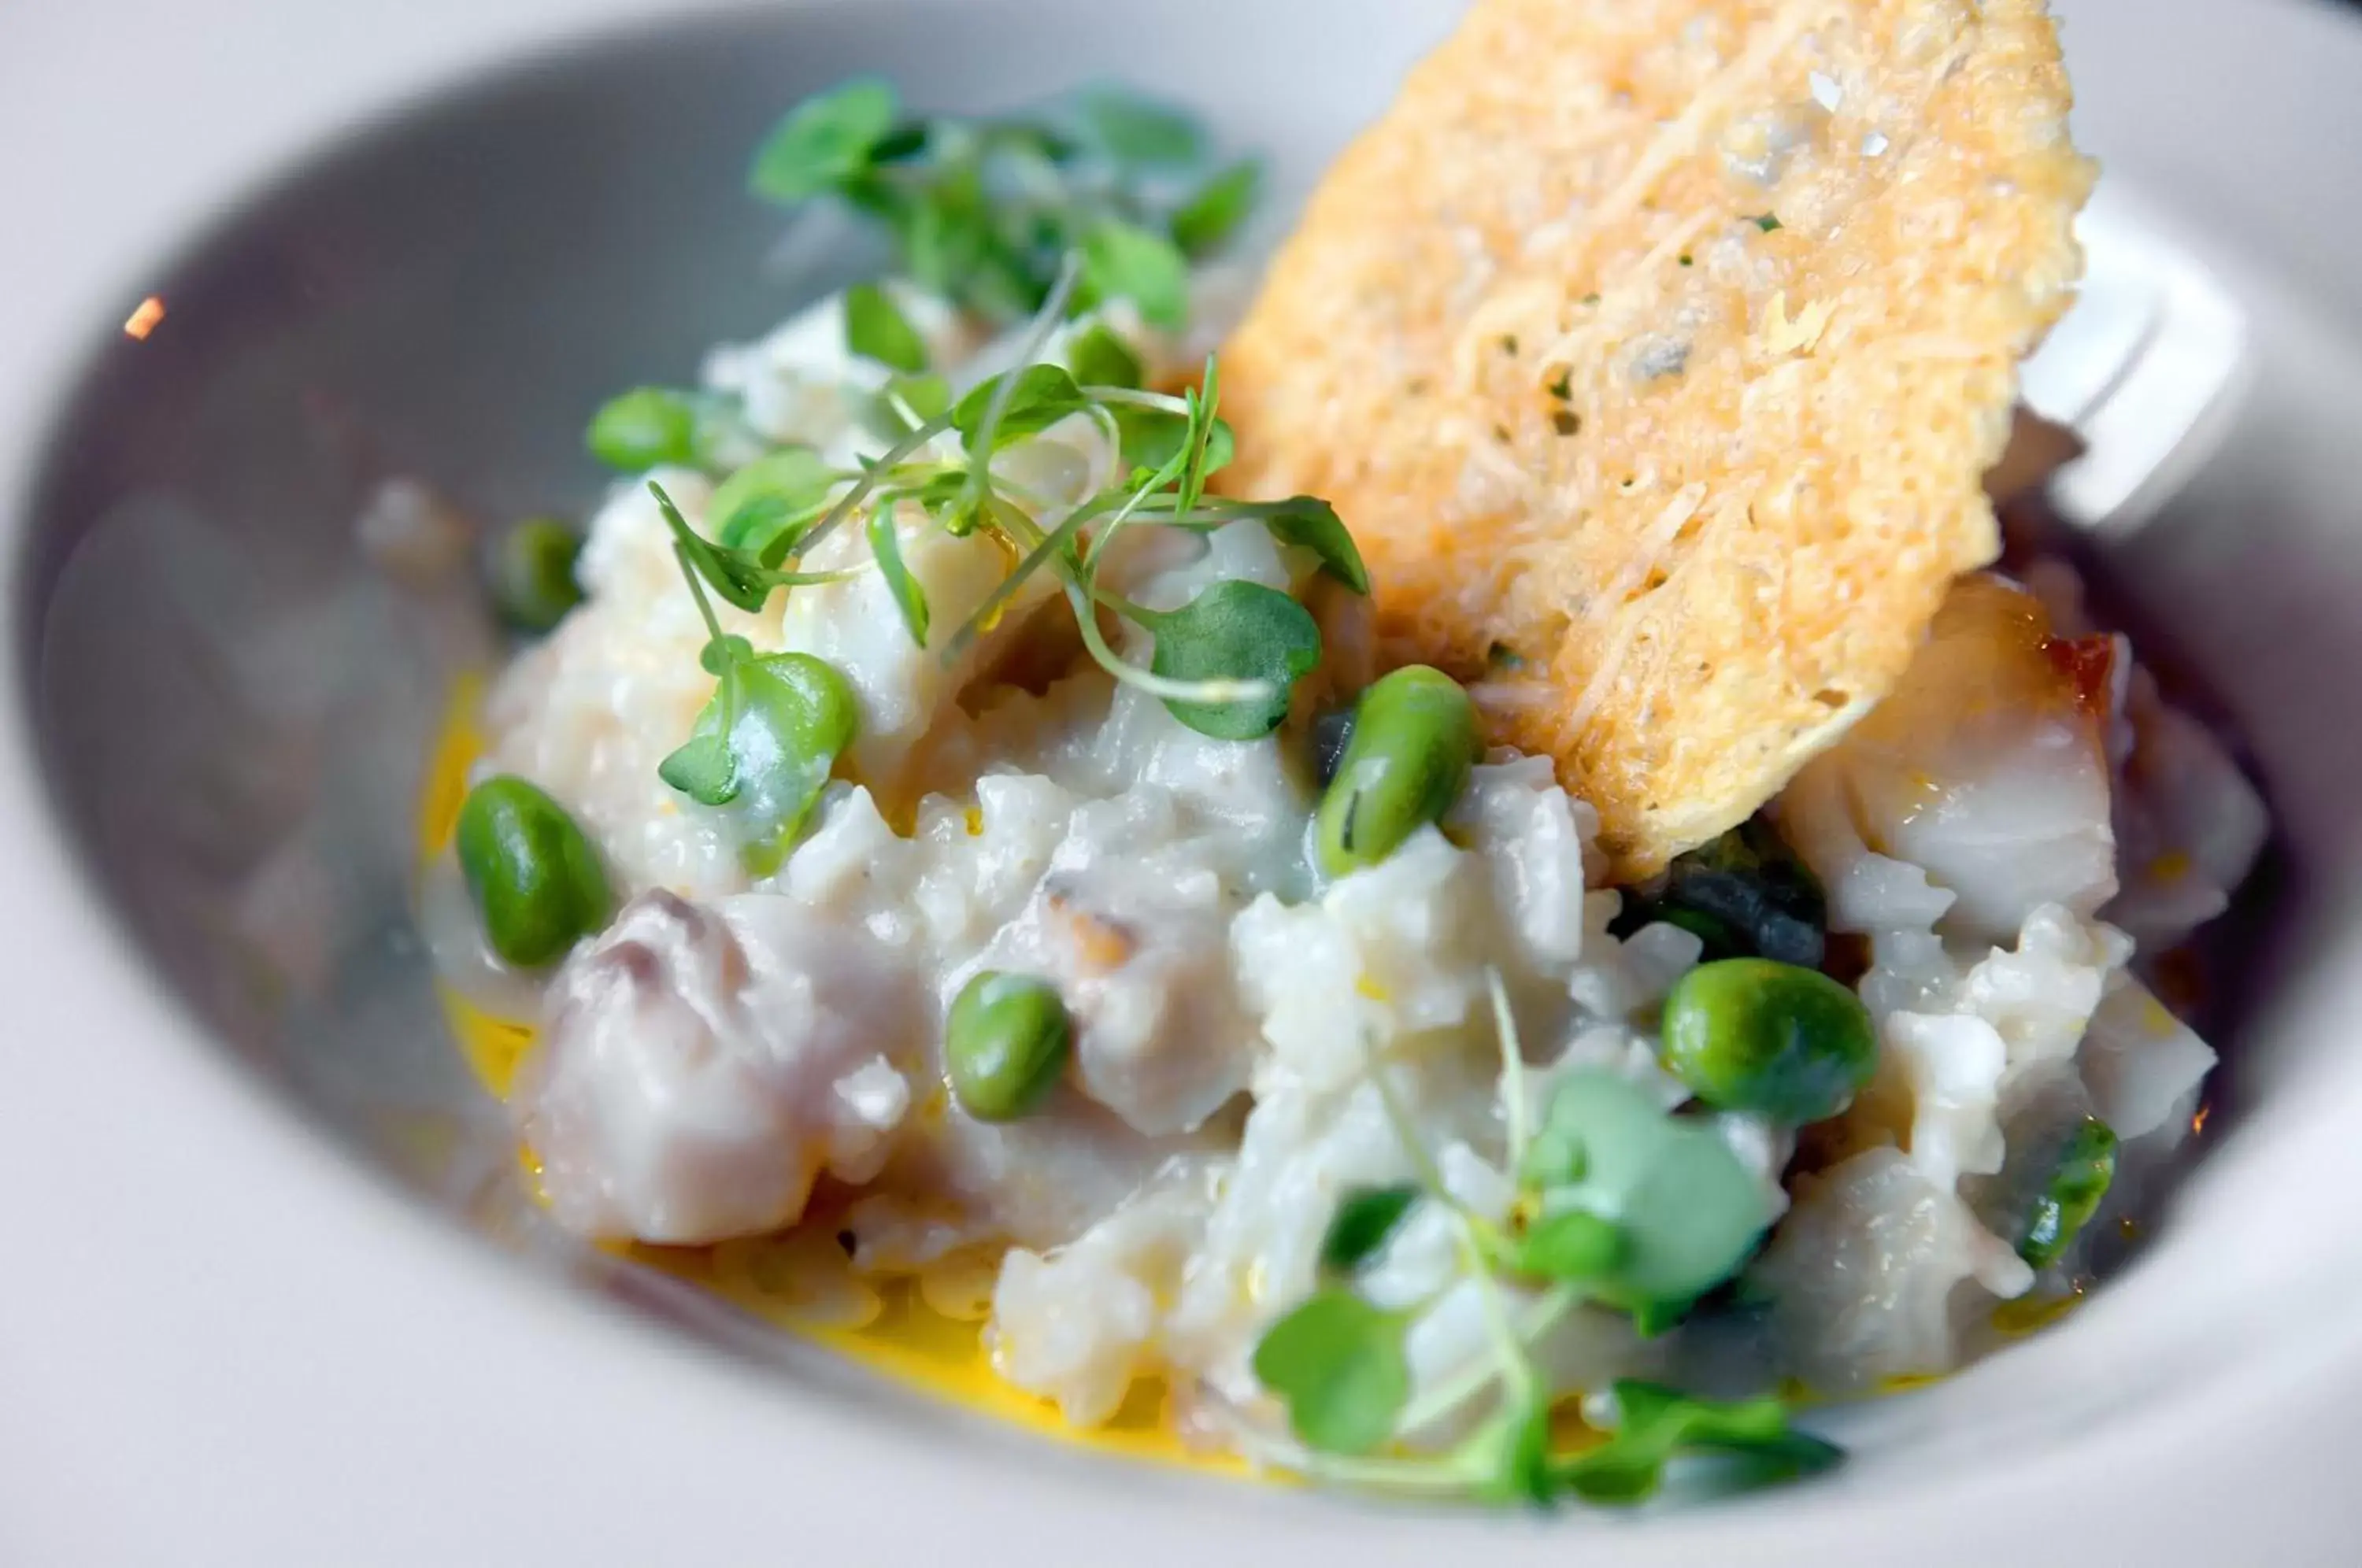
[(241, 1324)]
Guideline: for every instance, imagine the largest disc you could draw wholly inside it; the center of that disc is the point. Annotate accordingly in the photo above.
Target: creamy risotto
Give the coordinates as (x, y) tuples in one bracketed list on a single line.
[(946, 844)]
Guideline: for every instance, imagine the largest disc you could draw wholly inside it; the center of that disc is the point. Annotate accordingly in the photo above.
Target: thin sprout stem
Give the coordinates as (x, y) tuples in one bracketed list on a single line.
[(1045, 322), (1422, 1165), (697, 592), (998, 599), (1516, 1367), (1513, 1070), (1449, 1395), (1163, 403), (1010, 519), (1028, 495), (1157, 686), (1140, 614), (869, 478), (1139, 497), (1200, 403), (1442, 1474)]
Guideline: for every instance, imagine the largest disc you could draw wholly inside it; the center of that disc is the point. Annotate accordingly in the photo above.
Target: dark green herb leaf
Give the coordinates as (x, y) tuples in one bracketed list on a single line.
[(1515, 1449), (825, 141), (904, 142), (1133, 129), (909, 597), (875, 328), (645, 428), (1364, 1223), (1202, 224), (1769, 223), (1238, 631), (1746, 893), (1337, 1362), (1313, 524), (1122, 261), (1099, 359), (1655, 1423), (1040, 396), (1653, 1319)]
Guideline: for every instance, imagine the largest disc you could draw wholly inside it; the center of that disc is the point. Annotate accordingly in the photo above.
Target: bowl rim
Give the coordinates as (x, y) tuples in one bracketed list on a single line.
[(595, 1404)]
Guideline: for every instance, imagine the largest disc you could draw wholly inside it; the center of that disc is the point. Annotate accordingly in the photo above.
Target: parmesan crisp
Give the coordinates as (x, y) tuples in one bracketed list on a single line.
[(1655, 349)]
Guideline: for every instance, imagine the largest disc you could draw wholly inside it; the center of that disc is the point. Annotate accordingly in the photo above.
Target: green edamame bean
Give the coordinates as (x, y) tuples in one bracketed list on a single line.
[(643, 429), (2081, 1174), (531, 574), (1005, 1043), (536, 878), (1755, 1034), (1414, 741)]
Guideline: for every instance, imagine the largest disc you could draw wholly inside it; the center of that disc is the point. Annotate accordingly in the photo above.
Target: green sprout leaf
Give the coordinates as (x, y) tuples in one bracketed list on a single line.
[(1039, 396), (1100, 359), (766, 504), (735, 575), (719, 653), (1214, 212), (1572, 1247), (764, 745), (1133, 129), (875, 328), (1122, 261), (1313, 524), (1152, 437), (703, 768), (645, 428), (1654, 1424), (825, 142), (1237, 631), (1689, 1213), (1337, 1362), (1364, 1223), (909, 597), (984, 211), (1198, 464)]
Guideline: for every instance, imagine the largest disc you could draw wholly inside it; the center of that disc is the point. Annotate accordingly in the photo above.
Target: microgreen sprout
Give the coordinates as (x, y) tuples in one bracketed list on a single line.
[(1618, 1204), (768, 740), (984, 211), (1226, 662)]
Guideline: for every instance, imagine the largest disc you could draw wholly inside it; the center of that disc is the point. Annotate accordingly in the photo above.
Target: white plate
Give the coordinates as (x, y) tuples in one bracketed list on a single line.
[(220, 1342)]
